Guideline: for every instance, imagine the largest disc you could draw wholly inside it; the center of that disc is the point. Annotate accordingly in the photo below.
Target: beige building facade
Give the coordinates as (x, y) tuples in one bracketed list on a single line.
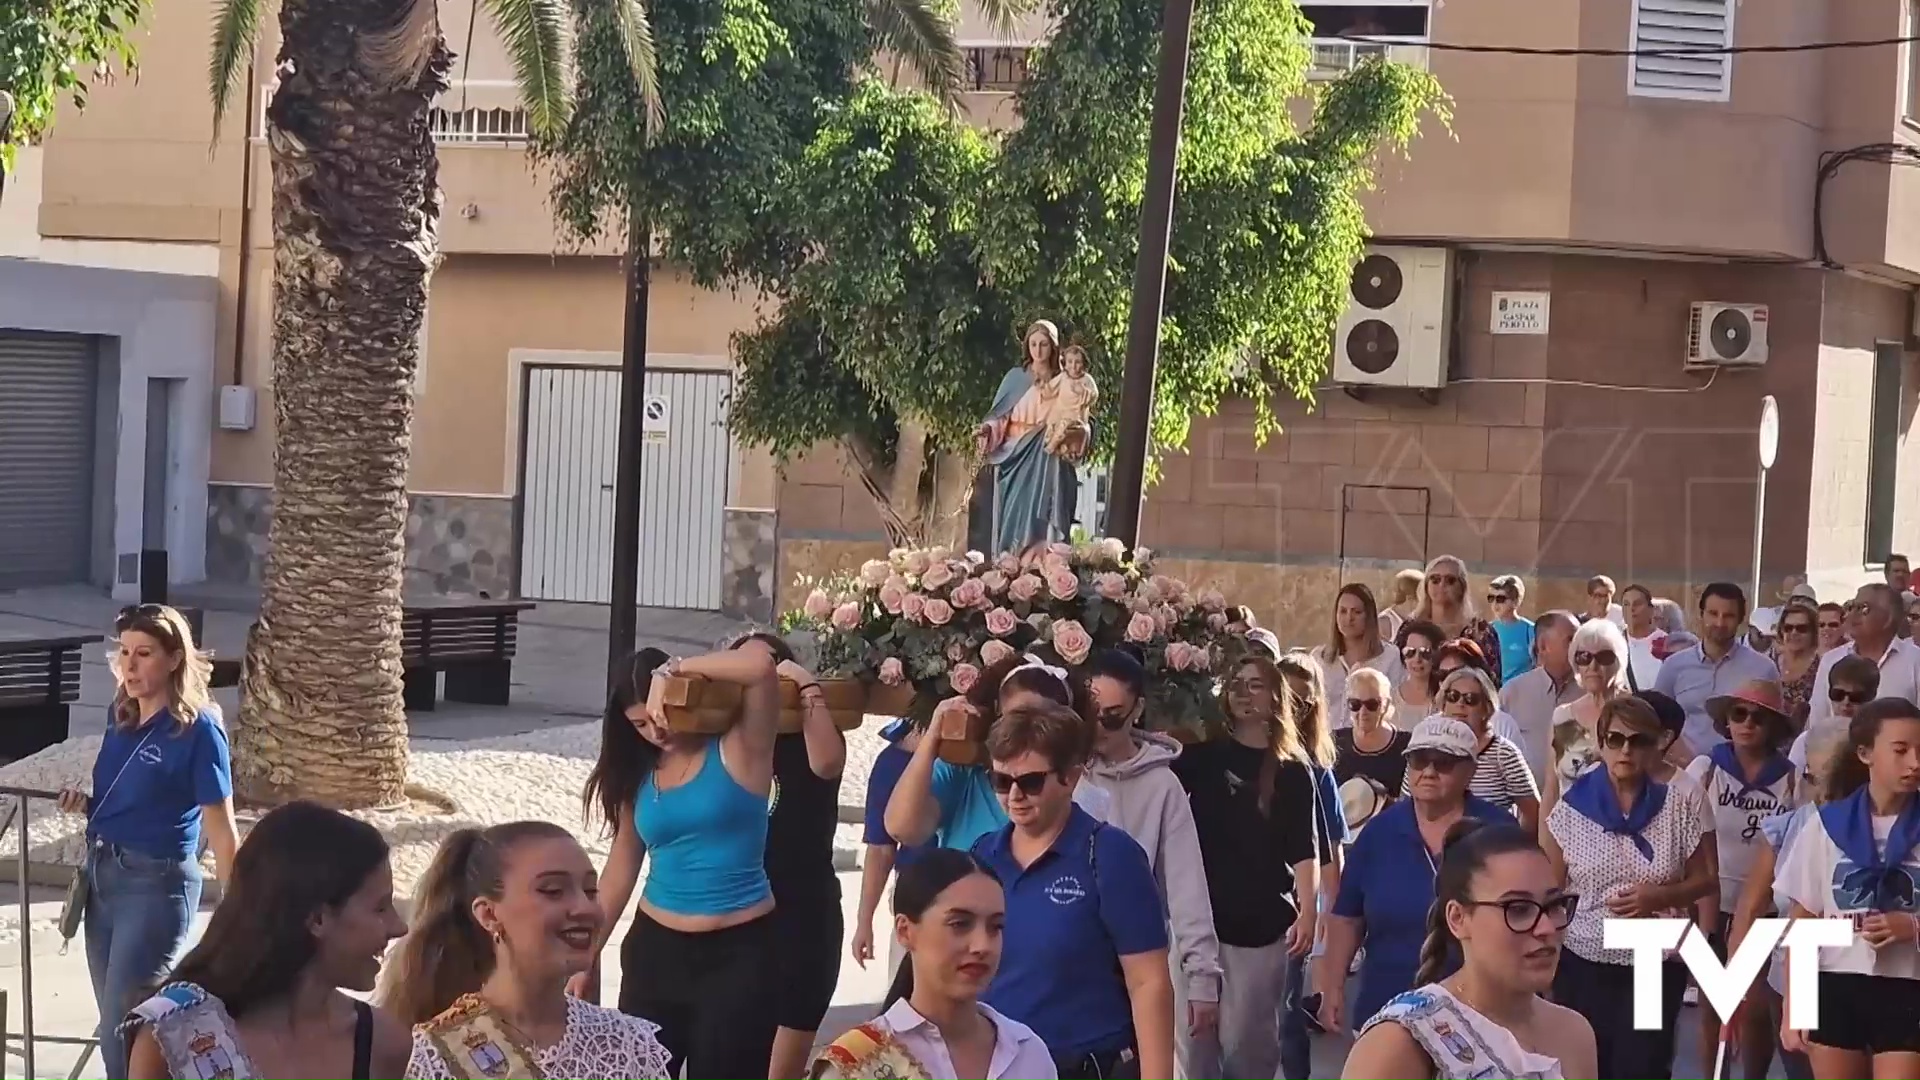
[(1622, 190)]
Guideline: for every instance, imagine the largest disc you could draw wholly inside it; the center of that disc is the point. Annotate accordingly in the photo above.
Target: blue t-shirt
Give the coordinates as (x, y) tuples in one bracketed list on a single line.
[(170, 773), (1516, 647), (968, 808), (1388, 883), (1330, 827), (1086, 902), (887, 767)]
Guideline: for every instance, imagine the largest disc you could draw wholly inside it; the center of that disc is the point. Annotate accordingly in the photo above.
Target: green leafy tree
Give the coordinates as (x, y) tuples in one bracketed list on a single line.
[(930, 248), (49, 49)]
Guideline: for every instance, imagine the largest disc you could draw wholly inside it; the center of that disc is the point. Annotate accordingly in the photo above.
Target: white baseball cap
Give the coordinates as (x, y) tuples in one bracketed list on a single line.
[(1446, 735)]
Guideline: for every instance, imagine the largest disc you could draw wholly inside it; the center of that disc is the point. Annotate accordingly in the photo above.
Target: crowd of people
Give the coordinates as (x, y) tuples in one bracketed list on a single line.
[(1412, 832)]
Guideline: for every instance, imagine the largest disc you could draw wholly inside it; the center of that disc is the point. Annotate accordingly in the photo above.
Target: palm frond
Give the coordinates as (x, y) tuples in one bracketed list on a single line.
[(636, 40), (1005, 15), (535, 34), (235, 26), (398, 54), (921, 33)]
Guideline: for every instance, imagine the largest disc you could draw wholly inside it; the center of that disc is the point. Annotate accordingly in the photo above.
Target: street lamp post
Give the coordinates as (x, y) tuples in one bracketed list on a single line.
[(1150, 275), (622, 619)]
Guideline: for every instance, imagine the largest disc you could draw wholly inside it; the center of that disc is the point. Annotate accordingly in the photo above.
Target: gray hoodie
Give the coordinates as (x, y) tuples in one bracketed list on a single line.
[(1150, 805)]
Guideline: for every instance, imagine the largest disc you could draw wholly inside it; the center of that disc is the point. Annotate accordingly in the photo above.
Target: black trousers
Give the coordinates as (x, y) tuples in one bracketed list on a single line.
[(1121, 1064), (713, 994), (1603, 993)]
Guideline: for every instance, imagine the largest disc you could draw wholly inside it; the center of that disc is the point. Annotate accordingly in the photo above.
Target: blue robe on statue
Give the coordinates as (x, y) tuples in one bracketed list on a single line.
[(1034, 491)]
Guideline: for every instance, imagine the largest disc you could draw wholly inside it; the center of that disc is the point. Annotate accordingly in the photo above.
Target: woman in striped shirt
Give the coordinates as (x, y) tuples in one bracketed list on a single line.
[(1500, 775)]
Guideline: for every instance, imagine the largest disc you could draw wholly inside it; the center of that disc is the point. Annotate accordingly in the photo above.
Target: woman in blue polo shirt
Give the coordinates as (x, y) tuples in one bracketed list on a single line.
[(162, 779), (1084, 962), (1387, 884)]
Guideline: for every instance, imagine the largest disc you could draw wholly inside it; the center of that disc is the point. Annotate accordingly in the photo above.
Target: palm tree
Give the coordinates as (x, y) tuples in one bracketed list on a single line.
[(356, 210)]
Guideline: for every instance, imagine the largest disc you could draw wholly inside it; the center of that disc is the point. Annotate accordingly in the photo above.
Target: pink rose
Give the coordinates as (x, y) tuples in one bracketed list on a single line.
[(1111, 548), (957, 650), (939, 554), (891, 672), (971, 593), (963, 676), (1072, 641), (1008, 564), (974, 558), (1202, 658), (918, 562), (1140, 629), (1217, 622), (913, 606), (1139, 605), (1051, 563), (994, 650), (818, 606), (1180, 656), (874, 573), (1064, 551), (893, 598), (938, 576), (1211, 600), (1149, 590), (1110, 585), (1000, 622), (995, 581), (1142, 556), (846, 616), (1025, 587), (939, 612), (1164, 617), (1063, 585)]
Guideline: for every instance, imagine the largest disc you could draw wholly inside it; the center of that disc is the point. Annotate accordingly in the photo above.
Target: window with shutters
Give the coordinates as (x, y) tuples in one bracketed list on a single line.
[(1673, 49), (1883, 455)]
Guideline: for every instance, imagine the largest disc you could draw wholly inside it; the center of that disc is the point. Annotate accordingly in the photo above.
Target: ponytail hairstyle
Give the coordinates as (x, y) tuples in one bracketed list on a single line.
[(446, 953), (1848, 773), (1469, 844), (915, 891), (626, 759)]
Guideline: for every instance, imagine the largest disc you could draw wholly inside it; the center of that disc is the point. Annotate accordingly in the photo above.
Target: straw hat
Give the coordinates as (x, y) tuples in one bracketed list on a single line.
[(1361, 797)]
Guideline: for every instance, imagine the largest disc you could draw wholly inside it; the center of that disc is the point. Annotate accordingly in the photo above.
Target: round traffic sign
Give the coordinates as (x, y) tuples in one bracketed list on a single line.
[(1769, 431)]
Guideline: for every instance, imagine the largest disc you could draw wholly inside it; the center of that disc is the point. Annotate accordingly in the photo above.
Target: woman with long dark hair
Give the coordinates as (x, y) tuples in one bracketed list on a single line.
[(502, 919), (1307, 702), (162, 784), (1254, 805), (696, 806), (307, 913), (1499, 905), (949, 916), (1353, 642)]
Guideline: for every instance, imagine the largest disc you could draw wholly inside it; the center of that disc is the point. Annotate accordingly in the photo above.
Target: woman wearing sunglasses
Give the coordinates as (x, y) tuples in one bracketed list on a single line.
[(1854, 681), (1444, 603), (1599, 651), (1498, 904), (1796, 653), (1419, 641), (1372, 748), (1618, 839), (1501, 776), (1385, 890)]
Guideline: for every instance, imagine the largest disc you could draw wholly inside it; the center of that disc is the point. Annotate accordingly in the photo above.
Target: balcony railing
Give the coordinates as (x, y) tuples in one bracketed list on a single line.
[(496, 126), (998, 68)]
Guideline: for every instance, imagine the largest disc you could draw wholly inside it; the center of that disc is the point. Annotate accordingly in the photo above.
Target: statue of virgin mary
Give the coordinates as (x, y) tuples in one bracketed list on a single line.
[(1034, 490)]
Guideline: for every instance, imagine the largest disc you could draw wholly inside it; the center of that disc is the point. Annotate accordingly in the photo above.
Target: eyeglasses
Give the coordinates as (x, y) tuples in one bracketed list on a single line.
[(1603, 658), (1824, 625), (1630, 740), (1355, 704), (1600, 594), (1416, 652), (1840, 695), (1524, 915), (1031, 784), (1469, 698), (1445, 579), (1743, 714), (1246, 686), (1499, 598), (1422, 760)]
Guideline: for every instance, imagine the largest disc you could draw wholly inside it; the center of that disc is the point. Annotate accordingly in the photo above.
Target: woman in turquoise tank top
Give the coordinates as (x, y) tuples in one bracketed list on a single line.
[(696, 960)]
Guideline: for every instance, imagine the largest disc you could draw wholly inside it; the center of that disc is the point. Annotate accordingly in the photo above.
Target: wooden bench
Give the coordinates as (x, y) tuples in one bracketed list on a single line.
[(39, 681), (471, 641)]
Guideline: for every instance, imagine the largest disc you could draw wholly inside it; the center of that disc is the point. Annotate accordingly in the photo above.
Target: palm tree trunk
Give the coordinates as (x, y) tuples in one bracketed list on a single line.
[(356, 210)]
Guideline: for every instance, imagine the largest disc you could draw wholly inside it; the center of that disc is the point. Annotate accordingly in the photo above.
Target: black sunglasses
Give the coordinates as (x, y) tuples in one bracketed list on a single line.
[(1604, 658), (1829, 625), (1415, 652), (1838, 695), (1355, 704), (1031, 784), (1799, 627), (1432, 759), (1463, 697), (1499, 598), (1743, 714), (1636, 740), (1524, 915)]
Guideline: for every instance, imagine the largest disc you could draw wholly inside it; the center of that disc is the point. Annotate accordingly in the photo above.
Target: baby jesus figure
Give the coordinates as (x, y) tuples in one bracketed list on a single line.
[(1072, 395)]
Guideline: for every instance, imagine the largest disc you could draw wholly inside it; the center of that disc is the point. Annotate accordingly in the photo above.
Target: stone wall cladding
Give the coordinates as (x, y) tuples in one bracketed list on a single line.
[(749, 555), (457, 545)]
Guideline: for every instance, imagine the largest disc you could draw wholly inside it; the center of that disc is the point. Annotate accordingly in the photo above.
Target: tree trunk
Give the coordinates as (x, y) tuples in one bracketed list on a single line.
[(356, 209), (922, 494)]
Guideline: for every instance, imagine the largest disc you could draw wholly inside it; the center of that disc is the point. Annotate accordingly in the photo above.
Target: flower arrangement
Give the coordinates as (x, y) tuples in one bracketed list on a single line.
[(932, 620)]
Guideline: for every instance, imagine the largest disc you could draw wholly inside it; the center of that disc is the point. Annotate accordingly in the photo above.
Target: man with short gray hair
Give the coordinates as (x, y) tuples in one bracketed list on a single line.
[(1873, 622)]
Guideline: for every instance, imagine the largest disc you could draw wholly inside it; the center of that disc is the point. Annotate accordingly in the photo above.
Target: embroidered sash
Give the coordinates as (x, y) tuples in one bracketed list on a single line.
[(1463, 1044), (867, 1053), (477, 1045), (195, 1035)]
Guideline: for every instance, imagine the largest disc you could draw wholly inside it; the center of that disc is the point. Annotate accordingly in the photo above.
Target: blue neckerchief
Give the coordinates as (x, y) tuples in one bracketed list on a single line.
[(896, 730), (1876, 882), (1771, 770), (1592, 795)]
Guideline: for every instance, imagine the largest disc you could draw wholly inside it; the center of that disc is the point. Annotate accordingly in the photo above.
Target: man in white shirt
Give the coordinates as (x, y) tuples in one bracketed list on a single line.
[(1873, 620), (1643, 636)]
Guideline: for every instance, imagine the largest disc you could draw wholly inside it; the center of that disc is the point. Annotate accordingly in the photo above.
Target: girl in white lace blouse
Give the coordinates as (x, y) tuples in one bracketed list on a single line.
[(504, 917)]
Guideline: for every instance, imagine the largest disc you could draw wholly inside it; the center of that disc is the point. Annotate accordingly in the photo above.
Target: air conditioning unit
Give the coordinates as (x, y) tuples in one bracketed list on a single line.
[(1727, 335), (1396, 327)]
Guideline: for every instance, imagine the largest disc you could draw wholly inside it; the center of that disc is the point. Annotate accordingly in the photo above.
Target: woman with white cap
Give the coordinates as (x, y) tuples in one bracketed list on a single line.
[(1501, 776), (1387, 885), (1747, 779), (1617, 839)]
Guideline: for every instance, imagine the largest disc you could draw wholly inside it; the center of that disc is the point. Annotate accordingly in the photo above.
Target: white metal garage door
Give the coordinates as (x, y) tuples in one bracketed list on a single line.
[(572, 427), (46, 457)]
